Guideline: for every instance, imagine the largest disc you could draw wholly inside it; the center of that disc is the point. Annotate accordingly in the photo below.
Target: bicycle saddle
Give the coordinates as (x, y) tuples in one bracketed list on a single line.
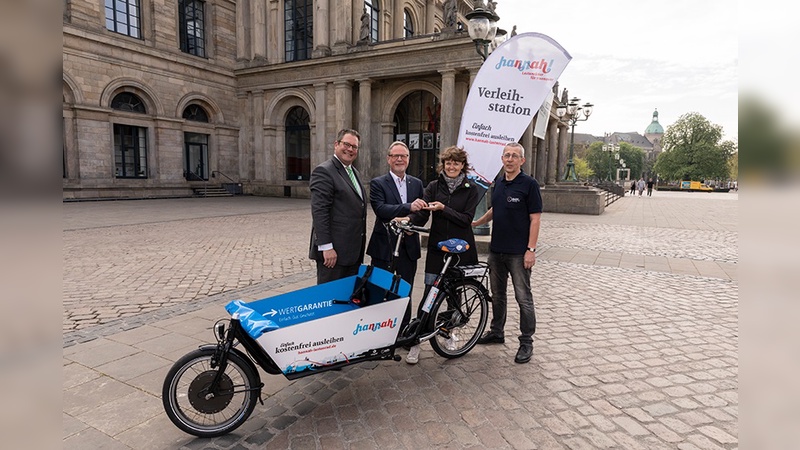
[(453, 246)]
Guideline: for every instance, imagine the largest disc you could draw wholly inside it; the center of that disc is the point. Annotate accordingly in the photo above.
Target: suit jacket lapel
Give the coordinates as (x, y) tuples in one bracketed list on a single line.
[(343, 173), (389, 181)]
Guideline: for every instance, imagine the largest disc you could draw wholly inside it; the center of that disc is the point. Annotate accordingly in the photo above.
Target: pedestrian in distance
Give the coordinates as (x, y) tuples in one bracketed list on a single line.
[(338, 212), (451, 200), (640, 186), (650, 187), (633, 187), (395, 194), (516, 214)]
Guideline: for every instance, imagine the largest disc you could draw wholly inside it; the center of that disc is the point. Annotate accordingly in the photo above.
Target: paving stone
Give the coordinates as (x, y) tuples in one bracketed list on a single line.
[(633, 345)]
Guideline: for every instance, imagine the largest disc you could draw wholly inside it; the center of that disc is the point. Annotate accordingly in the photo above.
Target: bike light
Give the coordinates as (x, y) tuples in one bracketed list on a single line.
[(219, 330)]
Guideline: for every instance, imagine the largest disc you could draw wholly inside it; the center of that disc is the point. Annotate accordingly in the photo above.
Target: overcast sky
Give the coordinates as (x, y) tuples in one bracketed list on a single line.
[(630, 57)]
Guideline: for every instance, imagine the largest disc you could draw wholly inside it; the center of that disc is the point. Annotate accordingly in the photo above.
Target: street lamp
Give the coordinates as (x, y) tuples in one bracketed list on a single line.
[(573, 111), (612, 149), (482, 27)]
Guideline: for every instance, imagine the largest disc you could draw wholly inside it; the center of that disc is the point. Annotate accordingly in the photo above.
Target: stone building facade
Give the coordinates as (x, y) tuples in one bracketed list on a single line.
[(160, 97)]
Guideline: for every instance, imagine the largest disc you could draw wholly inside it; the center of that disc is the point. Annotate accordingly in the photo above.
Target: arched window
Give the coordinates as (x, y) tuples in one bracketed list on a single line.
[(417, 124), (408, 24), (130, 142), (298, 28), (195, 113), (129, 102), (298, 144), (373, 10)]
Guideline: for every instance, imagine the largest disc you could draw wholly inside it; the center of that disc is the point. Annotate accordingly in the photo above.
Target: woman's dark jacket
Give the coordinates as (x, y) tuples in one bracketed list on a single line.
[(454, 221)]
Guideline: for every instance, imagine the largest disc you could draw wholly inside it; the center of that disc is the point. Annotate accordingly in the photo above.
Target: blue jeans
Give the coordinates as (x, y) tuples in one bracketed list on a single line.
[(500, 266)]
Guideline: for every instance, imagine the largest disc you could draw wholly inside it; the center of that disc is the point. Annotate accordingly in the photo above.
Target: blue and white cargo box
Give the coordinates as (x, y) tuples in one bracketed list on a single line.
[(329, 323)]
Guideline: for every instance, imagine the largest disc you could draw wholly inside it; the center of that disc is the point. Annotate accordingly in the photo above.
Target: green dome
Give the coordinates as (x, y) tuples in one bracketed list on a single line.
[(654, 127)]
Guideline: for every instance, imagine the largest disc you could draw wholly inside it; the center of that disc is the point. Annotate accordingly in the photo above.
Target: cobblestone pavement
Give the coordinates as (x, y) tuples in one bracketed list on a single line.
[(636, 344)]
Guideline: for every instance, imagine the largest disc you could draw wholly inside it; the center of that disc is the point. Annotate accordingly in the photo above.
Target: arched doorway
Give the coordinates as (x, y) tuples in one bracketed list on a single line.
[(417, 124), (298, 144)]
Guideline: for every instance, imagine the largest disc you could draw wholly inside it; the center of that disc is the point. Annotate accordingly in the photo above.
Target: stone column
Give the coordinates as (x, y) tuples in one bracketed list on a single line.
[(242, 30), (260, 162), (344, 104), (275, 24), (323, 146), (259, 29), (541, 159), (563, 151), (447, 119), (397, 20), (322, 36), (343, 26), (245, 105), (430, 9), (366, 154), (527, 140), (552, 152)]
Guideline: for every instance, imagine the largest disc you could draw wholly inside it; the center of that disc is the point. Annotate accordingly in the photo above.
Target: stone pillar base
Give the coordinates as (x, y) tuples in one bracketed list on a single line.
[(573, 198)]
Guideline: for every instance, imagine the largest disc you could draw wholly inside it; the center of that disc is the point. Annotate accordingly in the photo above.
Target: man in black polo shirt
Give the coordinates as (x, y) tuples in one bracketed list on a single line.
[(517, 212)]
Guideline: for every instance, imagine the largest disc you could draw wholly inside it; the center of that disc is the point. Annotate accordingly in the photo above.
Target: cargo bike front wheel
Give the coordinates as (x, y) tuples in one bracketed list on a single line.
[(202, 401)]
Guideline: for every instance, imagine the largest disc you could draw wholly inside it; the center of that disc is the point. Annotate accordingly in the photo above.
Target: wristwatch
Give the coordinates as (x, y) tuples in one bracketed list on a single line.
[(532, 249)]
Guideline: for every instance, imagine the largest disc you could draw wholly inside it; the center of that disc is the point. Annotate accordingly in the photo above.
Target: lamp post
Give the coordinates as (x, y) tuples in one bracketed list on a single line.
[(482, 27), (612, 149), (573, 111)]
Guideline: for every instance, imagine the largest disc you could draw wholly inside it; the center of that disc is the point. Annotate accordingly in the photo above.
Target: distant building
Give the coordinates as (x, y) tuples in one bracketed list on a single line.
[(650, 142)]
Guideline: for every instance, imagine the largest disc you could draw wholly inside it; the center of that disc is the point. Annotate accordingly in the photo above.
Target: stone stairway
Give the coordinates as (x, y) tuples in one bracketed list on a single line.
[(211, 191)]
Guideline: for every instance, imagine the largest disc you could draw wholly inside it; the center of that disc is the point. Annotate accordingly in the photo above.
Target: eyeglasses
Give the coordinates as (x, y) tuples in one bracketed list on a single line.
[(349, 145), (511, 156), (398, 156)]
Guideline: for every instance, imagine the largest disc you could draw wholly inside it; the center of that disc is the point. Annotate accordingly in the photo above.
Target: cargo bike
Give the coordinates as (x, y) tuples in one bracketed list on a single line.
[(213, 390)]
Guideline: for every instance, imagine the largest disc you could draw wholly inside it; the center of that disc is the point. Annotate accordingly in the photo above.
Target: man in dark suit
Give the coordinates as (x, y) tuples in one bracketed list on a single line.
[(338, 212), (395, 194)]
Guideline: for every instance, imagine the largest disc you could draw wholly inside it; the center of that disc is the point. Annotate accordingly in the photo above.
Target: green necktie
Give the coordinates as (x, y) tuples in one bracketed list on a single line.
[(353, 179)]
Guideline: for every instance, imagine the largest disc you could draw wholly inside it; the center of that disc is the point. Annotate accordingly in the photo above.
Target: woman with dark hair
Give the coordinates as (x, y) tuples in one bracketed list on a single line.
[(451, 200)]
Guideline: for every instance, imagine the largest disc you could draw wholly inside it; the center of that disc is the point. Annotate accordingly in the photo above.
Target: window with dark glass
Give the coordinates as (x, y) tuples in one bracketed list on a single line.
[(298, 28), (130, 142), (128, 102), (408, 24), (195, 113), (124, 17), (192, 30), (196, 156), (373, 12), (298, 145)]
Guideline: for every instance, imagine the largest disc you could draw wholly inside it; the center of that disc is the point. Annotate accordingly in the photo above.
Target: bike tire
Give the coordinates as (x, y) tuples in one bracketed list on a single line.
[(461, 313), (187, 404)]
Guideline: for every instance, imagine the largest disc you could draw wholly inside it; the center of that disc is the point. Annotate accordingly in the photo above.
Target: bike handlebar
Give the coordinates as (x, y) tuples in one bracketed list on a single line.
[(399, 227)]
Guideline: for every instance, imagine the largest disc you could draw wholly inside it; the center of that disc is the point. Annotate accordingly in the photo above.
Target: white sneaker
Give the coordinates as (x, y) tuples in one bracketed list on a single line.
[(451, 342), (413, 355)]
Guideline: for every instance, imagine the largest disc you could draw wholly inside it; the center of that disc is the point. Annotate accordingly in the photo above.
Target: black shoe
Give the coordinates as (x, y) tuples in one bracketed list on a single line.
[(491, 338), (524, 354)]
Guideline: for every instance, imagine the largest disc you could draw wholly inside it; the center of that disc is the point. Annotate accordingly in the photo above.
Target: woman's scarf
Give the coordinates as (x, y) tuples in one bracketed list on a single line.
[(453, 183)]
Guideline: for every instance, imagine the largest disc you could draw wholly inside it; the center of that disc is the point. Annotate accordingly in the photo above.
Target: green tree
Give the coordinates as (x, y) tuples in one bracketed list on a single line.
[(601, 162), (582, 169), (693, 150)]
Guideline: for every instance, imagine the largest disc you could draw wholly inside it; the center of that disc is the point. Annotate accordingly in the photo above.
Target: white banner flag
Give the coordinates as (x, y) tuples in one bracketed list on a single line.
[(543, 116), (509, 89)]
